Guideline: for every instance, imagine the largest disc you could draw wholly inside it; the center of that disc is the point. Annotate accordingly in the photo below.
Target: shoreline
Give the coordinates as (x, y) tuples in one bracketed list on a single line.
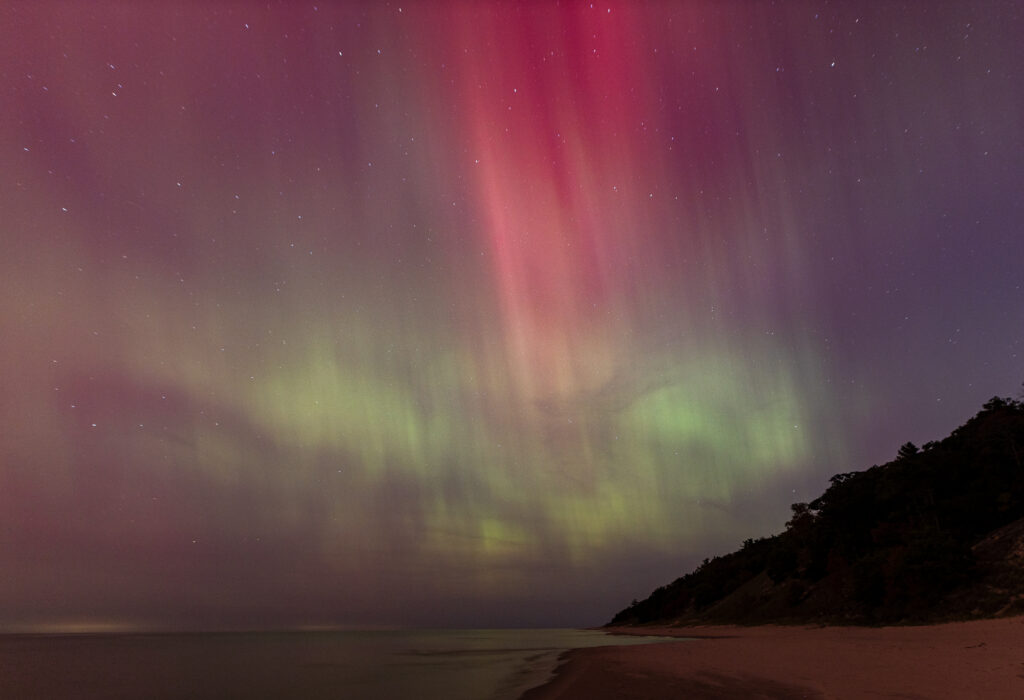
[(543, 668), (976, 659)]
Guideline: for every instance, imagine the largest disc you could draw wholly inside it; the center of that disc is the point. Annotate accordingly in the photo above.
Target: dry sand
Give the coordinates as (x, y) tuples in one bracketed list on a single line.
[(980, 659)]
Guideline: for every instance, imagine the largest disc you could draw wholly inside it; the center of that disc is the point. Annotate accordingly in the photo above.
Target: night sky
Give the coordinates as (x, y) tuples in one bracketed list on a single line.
[(474, 313)]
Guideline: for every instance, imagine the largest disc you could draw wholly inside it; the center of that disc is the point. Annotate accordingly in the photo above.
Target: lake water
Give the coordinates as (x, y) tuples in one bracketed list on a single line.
[(382, 665)]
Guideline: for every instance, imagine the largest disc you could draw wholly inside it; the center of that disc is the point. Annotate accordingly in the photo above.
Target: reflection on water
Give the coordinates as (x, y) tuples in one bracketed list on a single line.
[(427, 664)]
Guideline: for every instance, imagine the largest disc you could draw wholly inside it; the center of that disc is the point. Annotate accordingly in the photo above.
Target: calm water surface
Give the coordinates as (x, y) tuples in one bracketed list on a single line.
[(385, 665)]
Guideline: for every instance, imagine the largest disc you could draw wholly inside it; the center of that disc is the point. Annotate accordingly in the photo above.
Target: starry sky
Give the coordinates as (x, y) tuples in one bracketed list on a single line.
[(478, 314)]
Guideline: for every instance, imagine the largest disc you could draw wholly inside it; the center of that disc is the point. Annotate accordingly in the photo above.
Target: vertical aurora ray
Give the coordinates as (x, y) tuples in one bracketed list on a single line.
[(554, 258), (473, 313)]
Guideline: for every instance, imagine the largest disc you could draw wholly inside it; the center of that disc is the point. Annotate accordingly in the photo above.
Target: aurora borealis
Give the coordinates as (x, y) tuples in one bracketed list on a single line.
[(478, 313)]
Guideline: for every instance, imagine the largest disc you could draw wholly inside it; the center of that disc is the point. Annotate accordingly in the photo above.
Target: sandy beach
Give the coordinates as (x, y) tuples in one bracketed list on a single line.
[(980, 659)]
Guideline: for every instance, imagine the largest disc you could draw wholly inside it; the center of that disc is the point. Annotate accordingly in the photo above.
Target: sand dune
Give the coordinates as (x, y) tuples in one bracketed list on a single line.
[(979, 659)]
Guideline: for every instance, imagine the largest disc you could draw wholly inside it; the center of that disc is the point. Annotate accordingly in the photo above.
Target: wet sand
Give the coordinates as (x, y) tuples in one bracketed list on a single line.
[(980, 659)]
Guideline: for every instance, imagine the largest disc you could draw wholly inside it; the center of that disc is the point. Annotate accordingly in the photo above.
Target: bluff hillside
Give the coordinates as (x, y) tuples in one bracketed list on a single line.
[(937, 534)]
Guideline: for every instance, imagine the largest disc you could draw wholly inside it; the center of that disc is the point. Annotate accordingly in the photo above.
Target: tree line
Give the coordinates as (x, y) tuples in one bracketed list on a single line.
[(917, 539)]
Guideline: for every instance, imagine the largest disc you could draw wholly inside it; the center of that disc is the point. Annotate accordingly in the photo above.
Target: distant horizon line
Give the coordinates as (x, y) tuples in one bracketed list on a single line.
[(117, 628)]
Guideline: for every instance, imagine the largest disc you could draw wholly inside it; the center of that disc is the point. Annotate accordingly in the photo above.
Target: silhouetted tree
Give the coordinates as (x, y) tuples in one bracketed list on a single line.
[(907, 450)]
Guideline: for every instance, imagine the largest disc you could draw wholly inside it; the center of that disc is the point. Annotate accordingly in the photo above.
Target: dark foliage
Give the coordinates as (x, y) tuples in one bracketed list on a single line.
[(894, 543)]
